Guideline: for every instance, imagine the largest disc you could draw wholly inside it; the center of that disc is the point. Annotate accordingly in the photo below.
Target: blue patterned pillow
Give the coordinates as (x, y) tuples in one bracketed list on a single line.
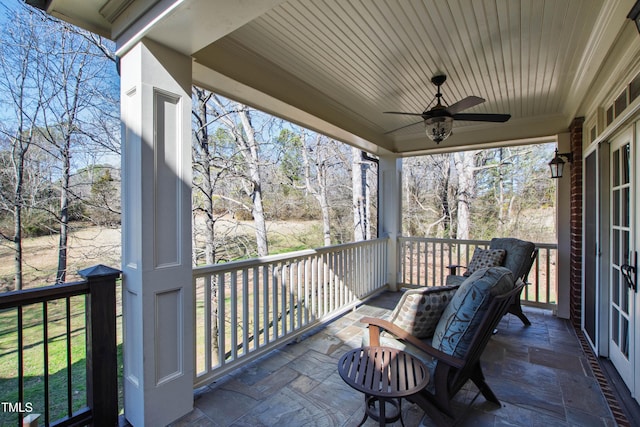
[(462, 316)]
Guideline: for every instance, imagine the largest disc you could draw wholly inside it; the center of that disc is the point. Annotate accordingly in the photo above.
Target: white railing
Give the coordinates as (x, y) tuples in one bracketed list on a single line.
[(424, 261), (244, 309)]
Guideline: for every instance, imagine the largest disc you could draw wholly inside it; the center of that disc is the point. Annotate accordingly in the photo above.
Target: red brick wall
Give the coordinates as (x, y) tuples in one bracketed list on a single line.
[(575, 260)]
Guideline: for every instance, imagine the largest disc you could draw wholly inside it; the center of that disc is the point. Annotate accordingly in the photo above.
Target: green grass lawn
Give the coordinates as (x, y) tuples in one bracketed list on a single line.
[(33, 354), (283, 238), (33, 362)]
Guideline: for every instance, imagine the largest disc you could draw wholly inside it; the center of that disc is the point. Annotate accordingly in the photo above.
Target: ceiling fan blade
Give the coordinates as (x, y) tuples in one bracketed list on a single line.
[(406, 114), (402, 127), (463, 104), (470, 117)]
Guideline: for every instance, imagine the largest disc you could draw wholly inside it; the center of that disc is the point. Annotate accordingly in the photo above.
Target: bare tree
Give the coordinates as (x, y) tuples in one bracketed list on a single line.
[(319, 158), (237, 121), (308, 159), (228, 182), (322, 164), (482, 194), (465, 168), (428, 189), (325, 160), (504, 198), (509, 180), (204, 174), (204, 180), (249, 149), (54, 77), (20, 80), (74, 74)]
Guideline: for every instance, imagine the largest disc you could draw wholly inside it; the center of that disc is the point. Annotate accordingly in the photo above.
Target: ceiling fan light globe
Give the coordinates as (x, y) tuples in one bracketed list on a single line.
[(438, 128)]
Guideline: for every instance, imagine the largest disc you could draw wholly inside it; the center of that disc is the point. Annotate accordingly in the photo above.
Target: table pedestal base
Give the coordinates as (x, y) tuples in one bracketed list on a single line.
[(385, 375), (381, 413)]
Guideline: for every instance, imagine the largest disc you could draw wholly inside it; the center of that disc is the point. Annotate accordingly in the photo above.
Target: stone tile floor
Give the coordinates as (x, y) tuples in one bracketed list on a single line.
[(540, 373)]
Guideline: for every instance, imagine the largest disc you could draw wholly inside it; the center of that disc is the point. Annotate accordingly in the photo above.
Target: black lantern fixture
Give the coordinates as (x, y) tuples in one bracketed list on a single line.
[(634, 15), (557, 164)]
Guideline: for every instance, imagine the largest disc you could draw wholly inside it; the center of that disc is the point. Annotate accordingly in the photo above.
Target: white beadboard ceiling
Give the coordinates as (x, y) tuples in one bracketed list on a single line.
[(337, 65)]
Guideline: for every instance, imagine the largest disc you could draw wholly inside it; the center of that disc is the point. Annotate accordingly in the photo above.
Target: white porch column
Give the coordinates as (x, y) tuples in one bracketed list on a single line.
[(156, 228), (563, 231), (389, 211)]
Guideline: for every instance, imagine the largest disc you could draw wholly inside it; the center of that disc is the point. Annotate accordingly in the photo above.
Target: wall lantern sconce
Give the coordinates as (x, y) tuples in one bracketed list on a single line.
[(634, 15), (557, 164)]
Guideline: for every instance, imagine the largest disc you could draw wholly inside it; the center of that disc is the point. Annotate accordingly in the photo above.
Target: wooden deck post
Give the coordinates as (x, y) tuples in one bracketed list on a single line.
[(102, 364)]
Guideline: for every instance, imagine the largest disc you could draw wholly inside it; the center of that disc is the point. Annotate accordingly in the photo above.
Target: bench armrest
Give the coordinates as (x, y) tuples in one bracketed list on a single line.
[(453, 267)]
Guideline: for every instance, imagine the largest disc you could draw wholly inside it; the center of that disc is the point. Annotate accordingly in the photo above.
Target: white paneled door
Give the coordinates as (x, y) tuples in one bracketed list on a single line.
[(623, 249)]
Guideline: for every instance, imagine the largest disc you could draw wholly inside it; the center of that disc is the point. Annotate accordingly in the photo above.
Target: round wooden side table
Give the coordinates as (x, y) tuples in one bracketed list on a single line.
[(384, 375)]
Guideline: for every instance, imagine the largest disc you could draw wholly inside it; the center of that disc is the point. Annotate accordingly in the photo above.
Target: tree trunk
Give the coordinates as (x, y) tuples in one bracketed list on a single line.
[(464, 162), (17, 229), (194, 245), (501, 207), (64, 215), (249, 149), (258, 216), (71, 80), (207, 181), (20, 57), (323, 199), (209, 227), (320, 190), (18, 154), (202, 159), (446, 196)]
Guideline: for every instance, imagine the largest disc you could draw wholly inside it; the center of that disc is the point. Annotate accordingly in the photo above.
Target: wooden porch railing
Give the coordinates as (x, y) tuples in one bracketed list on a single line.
[(244, 309), (31, 308), (423, 262)]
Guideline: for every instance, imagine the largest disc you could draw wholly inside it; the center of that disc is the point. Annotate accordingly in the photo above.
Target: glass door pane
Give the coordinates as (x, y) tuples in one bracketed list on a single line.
[(620, 233), (620, 303)]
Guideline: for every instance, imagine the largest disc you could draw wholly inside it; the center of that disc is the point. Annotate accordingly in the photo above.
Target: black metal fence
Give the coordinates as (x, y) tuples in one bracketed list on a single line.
[(99, 405)]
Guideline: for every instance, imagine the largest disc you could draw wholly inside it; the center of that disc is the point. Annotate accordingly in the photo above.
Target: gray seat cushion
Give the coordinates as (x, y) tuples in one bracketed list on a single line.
[(518, 254)]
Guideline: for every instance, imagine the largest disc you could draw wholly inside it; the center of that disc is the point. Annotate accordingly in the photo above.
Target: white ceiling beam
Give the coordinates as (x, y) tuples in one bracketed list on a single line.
[(248, 68), (513, 132), (226, 86), (187, 26), (603, 36)]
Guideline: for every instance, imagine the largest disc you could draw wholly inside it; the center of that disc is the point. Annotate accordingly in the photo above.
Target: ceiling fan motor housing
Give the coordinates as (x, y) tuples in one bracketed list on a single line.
[(437, 111), (439, 79)]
